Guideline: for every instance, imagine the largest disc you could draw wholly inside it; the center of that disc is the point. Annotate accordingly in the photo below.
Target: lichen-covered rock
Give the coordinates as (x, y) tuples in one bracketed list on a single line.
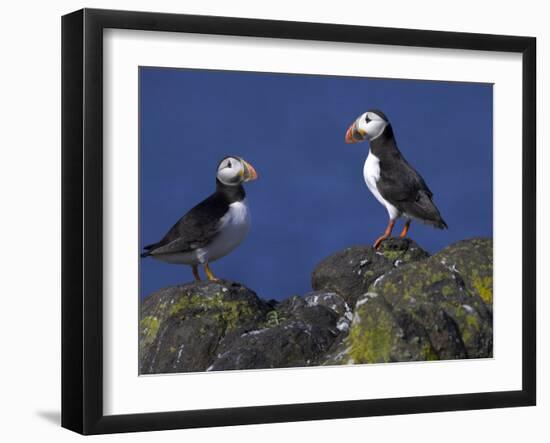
[(223, 326), (182, 326), (423, 310), (298, 340), (394, 304), (350, 272), (473, 260)]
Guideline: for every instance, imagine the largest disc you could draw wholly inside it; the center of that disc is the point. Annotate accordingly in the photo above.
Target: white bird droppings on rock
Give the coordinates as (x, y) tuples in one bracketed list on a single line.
[(365, 298), (343, 324), (378, 280)]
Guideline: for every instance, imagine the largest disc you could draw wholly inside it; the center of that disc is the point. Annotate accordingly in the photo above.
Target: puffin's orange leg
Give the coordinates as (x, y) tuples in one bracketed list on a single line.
[(386, 234), (196, 273), (209, 273), (405, 229)]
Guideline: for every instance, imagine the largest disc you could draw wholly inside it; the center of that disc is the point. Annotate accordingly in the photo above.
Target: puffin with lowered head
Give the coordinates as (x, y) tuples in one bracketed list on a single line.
[(214, 227), (390, 178)]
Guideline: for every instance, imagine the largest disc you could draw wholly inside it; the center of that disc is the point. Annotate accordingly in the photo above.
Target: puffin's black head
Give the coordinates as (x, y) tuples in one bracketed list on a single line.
[(367, 126), (233, 171)]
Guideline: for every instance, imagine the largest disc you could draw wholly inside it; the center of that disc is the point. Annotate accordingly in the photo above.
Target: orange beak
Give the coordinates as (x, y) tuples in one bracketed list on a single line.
[(249, 172), (354, 134), (349, 134)]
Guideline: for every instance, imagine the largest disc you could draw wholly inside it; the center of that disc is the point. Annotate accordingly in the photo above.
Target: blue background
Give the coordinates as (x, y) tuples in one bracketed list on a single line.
[(311, 199)]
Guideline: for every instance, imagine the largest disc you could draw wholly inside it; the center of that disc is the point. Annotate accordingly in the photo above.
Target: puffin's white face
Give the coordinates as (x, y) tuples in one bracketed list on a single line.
[(233, 171), (368, 126)]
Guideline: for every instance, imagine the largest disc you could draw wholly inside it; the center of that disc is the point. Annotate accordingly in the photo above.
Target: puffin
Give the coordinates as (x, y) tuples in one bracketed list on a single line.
[(214, 227), (390, 178)]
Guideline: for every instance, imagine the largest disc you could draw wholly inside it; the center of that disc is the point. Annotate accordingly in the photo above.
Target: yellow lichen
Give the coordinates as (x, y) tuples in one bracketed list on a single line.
[(429, 353), (226, 311), (149, 327), (370, 345), (484, 287)]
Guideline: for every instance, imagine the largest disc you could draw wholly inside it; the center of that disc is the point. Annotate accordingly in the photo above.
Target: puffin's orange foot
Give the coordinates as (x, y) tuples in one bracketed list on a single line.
[(405, 229), (379, 241), (209, 273), (386, 234)]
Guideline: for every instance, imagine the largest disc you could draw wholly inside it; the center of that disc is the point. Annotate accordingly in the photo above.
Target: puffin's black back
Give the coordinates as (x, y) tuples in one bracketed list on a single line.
[(400, 184), (199, 226)]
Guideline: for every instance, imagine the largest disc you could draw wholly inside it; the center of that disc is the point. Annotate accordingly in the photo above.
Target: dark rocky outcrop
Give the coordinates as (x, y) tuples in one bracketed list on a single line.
[(296, 340), (473, 260), (223, 325), (352, 271), (182, 326), (422, 312), (395, 304)]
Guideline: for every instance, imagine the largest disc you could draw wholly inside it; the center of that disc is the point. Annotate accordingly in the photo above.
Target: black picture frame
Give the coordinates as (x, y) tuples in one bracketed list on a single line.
[(82, 218)]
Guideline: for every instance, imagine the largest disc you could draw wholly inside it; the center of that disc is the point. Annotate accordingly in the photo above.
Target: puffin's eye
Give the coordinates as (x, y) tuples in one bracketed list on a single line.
[(228, 163), (367, 119)]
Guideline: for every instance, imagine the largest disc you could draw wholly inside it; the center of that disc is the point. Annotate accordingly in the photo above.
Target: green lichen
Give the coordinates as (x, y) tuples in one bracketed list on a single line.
[(229, 312), (371, 339), (435, 276), (484, 287), (472, 321), (414, 281), (149, 327), (429, 353), (470, 329), (392, 255), (447, 291), (371, 345), (473, 260), (368, 275), (389, 288), (413, 289), (273, 318)]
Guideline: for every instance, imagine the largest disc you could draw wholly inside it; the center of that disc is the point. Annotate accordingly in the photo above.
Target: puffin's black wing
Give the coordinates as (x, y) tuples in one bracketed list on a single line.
[(405, 189), (194, 230)]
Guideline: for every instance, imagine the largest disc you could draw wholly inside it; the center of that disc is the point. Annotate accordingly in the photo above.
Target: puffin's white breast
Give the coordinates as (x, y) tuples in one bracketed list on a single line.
[(233, 228), (371, 173)]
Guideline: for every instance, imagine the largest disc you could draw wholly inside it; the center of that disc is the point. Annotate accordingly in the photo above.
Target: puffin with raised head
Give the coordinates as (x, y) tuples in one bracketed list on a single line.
[(390, 178), (214, 227)]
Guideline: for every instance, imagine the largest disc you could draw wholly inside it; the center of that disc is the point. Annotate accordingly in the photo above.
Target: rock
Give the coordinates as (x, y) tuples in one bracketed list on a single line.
[(350, 272), (223, 326), (395, 304), (334, 302), (423, 310), (330, 300), (298, 332), (473, 260), (182, 326), (297, 341)]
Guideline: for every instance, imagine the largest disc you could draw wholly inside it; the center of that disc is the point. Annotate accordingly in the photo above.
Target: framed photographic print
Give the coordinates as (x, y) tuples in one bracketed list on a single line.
[(269, 221)]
